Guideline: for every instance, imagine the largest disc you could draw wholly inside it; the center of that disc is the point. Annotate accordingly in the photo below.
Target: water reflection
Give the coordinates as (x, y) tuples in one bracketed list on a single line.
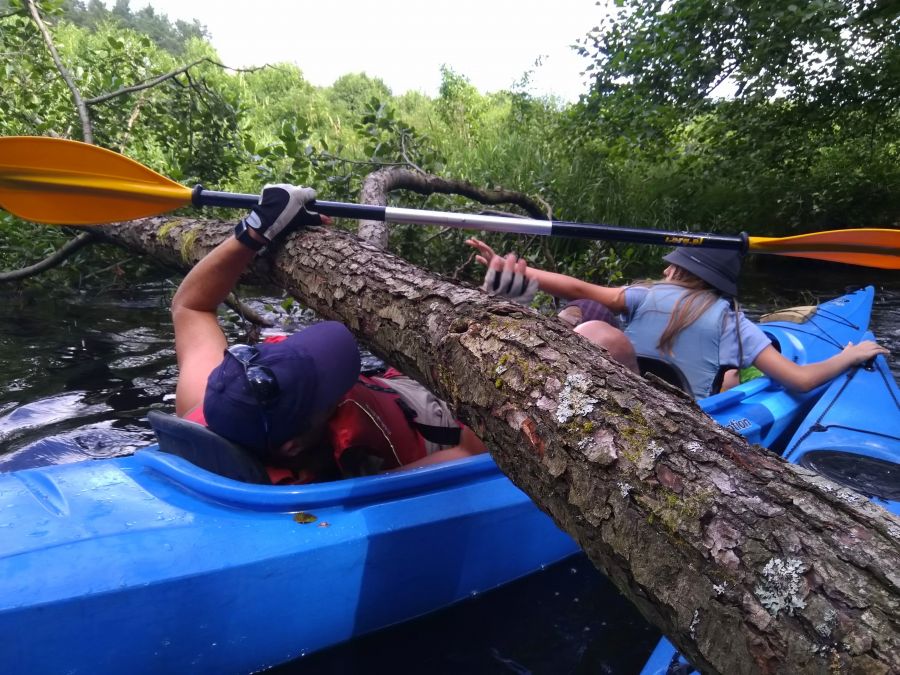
[(82, 372)]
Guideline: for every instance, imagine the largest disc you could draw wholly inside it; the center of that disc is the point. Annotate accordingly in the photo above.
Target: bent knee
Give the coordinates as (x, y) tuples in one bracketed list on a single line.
[(613, 340)]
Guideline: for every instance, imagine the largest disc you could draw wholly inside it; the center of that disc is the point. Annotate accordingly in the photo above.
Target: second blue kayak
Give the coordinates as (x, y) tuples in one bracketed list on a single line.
[(852, 436)]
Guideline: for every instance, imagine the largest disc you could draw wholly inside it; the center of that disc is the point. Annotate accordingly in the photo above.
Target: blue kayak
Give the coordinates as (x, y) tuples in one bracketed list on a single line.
[(763, 411), (149, 563), (852, 436)]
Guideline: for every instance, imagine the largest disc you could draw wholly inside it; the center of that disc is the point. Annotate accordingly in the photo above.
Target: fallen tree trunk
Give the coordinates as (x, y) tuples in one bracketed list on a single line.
[(748, 563)]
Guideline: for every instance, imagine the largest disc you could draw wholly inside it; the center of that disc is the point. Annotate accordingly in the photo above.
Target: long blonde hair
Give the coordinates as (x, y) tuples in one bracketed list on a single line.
[(690, 306)]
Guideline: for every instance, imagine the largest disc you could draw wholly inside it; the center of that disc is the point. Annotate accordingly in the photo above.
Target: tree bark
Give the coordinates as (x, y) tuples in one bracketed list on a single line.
[(748, 563)]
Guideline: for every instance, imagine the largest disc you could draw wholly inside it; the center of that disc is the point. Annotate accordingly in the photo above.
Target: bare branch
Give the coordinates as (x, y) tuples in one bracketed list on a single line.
[(363, 162), (51, 261), (246, 312), (726, 73), (132, 118), (87, 133), (406, 157), (455, 275), (147, 84), (379, 184)]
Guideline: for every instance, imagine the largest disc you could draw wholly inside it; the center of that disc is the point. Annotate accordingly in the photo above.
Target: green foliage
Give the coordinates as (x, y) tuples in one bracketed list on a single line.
[(23, 244), (171, 37), (772, 117), (834, 52), (775, 116), (349, 96)]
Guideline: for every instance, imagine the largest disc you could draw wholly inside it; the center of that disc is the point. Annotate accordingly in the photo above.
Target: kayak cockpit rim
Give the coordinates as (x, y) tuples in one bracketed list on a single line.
[(344, 492)]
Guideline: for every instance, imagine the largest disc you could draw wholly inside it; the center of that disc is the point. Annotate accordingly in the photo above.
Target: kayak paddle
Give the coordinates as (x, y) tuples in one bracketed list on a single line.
[(63, 182)]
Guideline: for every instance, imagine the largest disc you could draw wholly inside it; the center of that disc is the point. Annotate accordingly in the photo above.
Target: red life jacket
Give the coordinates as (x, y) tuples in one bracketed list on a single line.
[(371, 419), (374, 428)]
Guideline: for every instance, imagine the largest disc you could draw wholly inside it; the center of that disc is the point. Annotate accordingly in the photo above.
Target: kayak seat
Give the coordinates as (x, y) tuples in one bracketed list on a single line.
[(203, 448), (668, 372)]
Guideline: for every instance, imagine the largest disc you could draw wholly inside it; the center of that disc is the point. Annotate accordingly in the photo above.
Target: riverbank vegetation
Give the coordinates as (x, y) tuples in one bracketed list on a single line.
[(776, 119)]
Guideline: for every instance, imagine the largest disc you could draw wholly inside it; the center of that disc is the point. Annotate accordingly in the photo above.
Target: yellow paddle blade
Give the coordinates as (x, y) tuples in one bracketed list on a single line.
[(869, 247), (62, 182)]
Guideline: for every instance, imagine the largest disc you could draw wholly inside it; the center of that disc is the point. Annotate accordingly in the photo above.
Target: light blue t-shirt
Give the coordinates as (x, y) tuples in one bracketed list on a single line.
[(752, 338)]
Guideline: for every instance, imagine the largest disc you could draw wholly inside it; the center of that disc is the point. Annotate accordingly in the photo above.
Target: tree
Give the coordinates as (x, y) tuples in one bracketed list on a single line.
[(172, 37), (748, 563), (832, 52), (350, 94), (776, 113)]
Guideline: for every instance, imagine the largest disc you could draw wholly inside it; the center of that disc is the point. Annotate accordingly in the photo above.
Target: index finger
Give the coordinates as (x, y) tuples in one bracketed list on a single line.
[(482, 248)]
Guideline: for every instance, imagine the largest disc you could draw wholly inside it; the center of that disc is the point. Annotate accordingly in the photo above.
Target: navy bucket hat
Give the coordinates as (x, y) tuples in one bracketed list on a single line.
[(312, 368), (719, 268)]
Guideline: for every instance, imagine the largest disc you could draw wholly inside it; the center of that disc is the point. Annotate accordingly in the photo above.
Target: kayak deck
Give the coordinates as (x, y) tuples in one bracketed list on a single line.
[(269, 573), (852, 434)]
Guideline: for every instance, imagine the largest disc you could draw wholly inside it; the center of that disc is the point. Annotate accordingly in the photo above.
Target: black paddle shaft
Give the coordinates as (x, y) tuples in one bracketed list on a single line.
[(738, 242), (490, 223)]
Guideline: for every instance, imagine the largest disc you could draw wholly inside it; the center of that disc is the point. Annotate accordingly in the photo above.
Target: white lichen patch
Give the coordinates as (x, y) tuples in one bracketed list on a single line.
[(824, 629), (624, 488), (849, 496), (693, 446), (574, 398), (781, 586), (655, 449), (695, 621), (894, 531), (719, 589)]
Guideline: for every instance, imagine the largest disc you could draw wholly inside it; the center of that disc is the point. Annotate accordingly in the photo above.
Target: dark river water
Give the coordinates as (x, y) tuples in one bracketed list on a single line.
[(82, 368)]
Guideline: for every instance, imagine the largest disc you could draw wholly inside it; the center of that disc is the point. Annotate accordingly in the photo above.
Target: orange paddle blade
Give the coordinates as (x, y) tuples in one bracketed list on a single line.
[(62, 182), (872, 247)]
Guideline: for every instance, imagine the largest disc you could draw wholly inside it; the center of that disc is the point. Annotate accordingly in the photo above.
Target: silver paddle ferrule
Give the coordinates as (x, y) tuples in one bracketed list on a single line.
[(468, 221)]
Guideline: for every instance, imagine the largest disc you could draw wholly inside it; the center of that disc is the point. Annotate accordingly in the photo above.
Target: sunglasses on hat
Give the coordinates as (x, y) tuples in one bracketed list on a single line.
[(261, 379)]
